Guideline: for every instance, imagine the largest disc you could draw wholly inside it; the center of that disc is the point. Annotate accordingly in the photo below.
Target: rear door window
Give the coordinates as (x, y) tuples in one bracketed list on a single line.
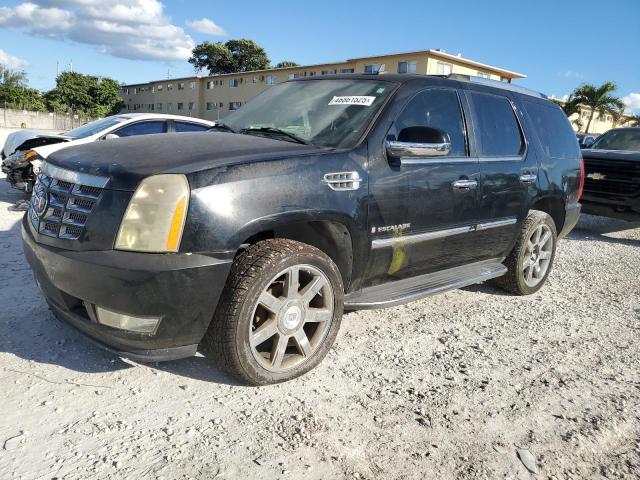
[(190, 127), (556, 136), (142, 128), (497, 127)]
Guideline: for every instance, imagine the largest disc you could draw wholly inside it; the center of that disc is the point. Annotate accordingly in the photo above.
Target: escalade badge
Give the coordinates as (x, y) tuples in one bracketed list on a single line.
[(596, 176), (39, 199)]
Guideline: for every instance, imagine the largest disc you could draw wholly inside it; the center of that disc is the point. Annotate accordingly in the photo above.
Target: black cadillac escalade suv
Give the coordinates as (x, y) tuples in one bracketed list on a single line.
[(318, 196)]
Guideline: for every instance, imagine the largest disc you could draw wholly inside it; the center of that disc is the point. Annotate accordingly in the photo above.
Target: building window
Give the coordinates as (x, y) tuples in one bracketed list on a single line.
[(151, 107), (153, 89), (135, 90), (272, 80), (211, 105), (209, 84), (372, 68), (191, 105), (233, 83), (234, 105), (312, 74), (169, 86), (407, 67), (169, 106), (221, 105), (444, 68), (293, 75), (159, 107), (181, 86), (159, 88), (602, 117), (483, 75), (324, 72), (180, 105), (192, 85), (347, 70)]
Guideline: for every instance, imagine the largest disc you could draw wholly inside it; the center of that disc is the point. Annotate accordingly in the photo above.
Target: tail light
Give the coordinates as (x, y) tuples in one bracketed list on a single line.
[(581, 187)]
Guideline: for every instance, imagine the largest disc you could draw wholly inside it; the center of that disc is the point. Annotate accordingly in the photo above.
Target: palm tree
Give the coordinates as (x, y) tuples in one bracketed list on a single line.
[(634, 120), (598, 99)]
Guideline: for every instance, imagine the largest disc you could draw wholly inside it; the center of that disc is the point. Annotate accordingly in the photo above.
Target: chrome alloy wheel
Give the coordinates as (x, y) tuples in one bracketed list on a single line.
[(537, 255), (292, 317)]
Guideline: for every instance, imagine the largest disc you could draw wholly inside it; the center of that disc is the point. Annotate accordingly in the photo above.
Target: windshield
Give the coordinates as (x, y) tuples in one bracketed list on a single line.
[(328, 113), (94, 127), (619, 140)]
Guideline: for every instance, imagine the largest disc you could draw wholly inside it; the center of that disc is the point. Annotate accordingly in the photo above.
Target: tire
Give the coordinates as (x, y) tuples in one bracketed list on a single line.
[(265, 331), (522, 277)]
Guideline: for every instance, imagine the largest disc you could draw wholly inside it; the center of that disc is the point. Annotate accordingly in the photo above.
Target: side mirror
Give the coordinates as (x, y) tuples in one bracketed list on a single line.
[(110, 136), (419, 142)]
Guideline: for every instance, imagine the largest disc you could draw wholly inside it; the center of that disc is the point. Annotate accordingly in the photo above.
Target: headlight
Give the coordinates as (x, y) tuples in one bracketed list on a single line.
[(155, 217)]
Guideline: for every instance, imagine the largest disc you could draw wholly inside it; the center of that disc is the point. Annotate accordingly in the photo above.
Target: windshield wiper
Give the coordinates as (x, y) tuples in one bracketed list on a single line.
[(222, 126), (275, 131)]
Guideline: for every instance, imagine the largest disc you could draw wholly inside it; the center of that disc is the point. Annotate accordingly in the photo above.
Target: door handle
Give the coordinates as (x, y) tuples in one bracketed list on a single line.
[(528, 178), (465, 184)]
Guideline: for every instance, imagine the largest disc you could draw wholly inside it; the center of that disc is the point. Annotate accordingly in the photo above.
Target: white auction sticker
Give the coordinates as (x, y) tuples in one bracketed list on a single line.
[(353, 100)]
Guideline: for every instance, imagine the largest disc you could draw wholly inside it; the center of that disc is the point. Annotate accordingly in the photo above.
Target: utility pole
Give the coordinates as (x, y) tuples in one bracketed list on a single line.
[(71, 66), (57, 69), (168, 74)]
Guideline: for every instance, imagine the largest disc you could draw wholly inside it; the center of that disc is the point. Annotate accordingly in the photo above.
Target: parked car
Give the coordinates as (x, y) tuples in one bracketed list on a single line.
[(318, 196), (612, 168), (23, 147), (585, 140)]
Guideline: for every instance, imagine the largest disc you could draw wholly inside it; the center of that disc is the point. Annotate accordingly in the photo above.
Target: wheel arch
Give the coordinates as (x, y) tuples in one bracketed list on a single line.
[(554, 207), (334, 234)]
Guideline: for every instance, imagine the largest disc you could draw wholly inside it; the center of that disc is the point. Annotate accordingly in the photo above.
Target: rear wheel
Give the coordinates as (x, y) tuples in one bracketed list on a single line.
[(531, 259), (279, 313)]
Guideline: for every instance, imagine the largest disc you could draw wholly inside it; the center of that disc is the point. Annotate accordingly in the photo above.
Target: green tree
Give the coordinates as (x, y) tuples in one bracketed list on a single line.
[(15, 93), (230, 57), (599, 99), (634, 120), (287, 63), (84, 95)]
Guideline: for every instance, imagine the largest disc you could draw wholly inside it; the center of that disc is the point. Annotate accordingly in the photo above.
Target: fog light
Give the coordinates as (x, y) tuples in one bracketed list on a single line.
[(127, 322)]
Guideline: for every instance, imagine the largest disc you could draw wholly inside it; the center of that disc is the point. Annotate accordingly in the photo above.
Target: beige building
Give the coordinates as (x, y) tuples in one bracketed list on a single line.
[(212, 97), (600, 122)]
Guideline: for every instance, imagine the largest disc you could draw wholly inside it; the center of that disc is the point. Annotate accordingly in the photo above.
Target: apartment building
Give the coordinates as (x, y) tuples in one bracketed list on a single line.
[(600, 123), (213, 97)]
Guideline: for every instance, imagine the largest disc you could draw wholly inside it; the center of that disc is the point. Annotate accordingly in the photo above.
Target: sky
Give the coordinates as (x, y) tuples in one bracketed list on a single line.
[(558, 44)]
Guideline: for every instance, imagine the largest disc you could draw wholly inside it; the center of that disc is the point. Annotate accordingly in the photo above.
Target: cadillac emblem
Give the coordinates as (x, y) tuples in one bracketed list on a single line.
[(39, 199)]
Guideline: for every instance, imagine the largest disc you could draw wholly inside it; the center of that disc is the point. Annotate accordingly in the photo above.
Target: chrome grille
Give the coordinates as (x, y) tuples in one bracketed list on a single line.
[(61, 204)]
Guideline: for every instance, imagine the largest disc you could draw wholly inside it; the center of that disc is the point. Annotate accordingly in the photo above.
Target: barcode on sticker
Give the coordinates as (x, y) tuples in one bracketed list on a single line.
[(353, 100)]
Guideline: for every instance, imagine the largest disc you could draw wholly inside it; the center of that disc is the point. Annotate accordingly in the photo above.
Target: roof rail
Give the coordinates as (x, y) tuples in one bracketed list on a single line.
[(496, 84)]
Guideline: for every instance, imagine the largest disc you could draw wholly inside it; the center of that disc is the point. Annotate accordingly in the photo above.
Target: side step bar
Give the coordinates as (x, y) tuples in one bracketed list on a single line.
[(410, 289)]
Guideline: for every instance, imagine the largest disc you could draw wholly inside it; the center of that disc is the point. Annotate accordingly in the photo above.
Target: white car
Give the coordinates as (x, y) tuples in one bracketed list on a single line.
[(39, 146)]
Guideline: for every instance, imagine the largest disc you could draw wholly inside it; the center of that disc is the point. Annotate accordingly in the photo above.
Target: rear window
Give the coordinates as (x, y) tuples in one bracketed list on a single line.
[(190, 127), (497, 126), (556, 136)]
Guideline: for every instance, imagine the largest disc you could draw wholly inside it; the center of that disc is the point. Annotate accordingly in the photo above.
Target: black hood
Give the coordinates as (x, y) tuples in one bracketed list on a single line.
[(611, 154), (126, 161)]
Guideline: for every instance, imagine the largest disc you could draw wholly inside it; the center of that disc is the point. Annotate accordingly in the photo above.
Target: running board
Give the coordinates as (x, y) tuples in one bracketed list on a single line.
[(410, 289)]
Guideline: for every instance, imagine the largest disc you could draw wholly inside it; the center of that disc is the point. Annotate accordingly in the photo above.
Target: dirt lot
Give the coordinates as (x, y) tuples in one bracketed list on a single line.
[(450, 387)]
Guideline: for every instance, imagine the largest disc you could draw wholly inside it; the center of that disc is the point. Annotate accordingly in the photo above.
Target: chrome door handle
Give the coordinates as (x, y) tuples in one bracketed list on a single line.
[(465, 184), (528, 178)]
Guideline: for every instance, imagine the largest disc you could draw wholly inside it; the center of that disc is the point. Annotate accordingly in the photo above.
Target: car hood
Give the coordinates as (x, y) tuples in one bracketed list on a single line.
[(611, 154), (126, 161), (17, 139)]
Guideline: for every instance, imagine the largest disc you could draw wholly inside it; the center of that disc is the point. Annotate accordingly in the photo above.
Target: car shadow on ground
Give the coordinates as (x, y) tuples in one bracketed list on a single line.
[(30, 331), (591, 228)]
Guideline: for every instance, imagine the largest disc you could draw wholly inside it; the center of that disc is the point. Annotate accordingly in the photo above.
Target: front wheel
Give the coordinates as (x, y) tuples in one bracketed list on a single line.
[(530, 261), (279, 313)]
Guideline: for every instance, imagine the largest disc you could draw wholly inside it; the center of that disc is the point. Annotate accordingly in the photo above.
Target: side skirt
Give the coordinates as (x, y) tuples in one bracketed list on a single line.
[(407, 290)]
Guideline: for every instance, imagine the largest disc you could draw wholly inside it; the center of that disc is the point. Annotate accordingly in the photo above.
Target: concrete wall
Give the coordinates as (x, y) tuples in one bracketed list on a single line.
[(39, 120)]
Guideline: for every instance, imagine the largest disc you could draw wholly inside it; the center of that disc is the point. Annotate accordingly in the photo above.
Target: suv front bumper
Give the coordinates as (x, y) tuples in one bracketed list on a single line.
[(181, 289)]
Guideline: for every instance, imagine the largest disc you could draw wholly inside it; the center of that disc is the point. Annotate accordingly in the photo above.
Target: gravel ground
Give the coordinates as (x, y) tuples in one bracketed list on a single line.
[(473, 383)]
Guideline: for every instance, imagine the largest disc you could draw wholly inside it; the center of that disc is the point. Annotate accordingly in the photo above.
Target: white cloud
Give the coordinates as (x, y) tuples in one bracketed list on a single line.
[(632, 102), (10, 61), (134, 29), (571, 74), (204, 25)]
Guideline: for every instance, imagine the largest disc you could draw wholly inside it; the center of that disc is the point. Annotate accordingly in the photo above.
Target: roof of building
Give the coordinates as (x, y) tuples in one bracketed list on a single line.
[(437, 53)]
